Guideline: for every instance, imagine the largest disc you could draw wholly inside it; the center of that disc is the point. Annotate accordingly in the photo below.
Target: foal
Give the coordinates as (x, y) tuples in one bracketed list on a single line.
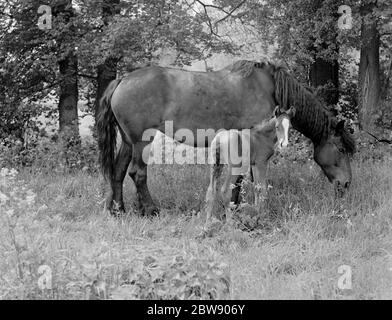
[(246, 151)]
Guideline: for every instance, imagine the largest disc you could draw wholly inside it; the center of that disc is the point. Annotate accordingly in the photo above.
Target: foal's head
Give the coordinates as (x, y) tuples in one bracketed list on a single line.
[(282, 125)]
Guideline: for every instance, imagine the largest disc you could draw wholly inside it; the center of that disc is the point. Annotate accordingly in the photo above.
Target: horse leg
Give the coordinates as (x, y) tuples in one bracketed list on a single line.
[(122, 160), (215, 173), (259, 172), (236, 196), (236, 192), (226, 192), (138, 173)]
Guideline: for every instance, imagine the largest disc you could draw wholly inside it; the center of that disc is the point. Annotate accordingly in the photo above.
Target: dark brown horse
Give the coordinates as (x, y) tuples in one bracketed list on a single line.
[(236, 97)]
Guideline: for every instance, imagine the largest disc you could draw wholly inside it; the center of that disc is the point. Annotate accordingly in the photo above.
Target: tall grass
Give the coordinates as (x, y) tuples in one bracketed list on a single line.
[(295, 251)]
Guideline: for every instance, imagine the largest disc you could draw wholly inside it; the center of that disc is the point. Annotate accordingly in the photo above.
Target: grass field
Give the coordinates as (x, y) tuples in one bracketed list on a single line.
[(299, 250)]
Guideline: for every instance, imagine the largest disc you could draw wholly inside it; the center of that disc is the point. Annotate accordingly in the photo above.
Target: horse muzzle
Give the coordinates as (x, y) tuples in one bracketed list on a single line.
[(341, 188)]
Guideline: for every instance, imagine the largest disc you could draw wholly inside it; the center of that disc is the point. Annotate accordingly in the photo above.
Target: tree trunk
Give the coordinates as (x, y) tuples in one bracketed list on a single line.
[(388, 78), (68, 102), (68, 67), (326, 74), (107, 71), (369, 83)]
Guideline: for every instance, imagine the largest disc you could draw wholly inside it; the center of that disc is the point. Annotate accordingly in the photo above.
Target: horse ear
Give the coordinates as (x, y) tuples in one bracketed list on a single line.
[(291, 112), (339, 127), (277, 111)]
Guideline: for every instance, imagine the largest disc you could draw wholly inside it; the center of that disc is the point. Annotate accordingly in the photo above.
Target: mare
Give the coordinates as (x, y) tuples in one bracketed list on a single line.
[(239, 96)]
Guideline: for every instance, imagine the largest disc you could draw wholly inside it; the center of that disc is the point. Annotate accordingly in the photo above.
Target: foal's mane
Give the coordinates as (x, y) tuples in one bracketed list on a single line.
[(311, 118)]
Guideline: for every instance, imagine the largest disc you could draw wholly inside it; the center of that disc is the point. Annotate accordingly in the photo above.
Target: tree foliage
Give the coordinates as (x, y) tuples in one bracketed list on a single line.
[(136, 34), (301, 32)]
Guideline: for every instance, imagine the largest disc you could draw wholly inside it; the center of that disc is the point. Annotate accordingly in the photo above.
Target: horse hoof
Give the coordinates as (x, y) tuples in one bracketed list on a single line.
[(155, 212), (117, 213), (211, 228), (150, 212)]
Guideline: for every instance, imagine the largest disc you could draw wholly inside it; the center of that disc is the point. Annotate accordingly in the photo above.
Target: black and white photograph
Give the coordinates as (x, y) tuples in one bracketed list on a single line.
[(217, 151)]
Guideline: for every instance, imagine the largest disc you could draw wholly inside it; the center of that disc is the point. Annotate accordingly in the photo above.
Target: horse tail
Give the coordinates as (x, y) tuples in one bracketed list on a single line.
[(106, 130)]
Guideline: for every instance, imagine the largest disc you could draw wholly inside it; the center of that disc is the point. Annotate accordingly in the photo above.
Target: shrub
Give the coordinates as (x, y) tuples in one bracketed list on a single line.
[(49, 154), (183, 278)]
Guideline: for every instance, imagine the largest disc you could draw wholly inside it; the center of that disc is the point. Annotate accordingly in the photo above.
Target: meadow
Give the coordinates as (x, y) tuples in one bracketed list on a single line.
[(57, 242)]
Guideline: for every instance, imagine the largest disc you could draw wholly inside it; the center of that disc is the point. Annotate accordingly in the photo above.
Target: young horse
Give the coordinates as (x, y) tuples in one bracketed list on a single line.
[(257, 144)]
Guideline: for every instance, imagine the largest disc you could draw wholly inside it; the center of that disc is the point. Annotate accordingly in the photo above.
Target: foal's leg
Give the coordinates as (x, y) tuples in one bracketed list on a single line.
[(215, 173), (138, 173), (226, 191), (259, 171), (236, 196), (236, 192), (122, 160)]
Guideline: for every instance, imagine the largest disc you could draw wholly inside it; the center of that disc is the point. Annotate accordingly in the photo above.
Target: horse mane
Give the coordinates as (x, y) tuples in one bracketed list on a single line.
[(311, 118), (245, 68), (347, 138)]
